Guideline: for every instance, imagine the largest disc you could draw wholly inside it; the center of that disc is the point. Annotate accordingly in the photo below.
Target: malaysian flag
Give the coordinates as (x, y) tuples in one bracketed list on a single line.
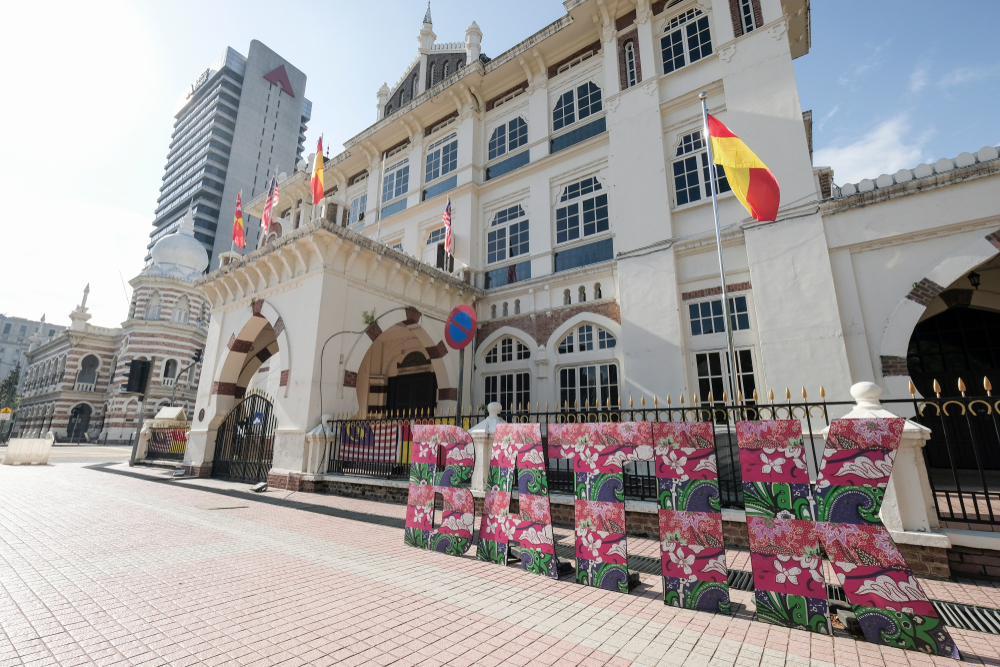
[(272, 201), (447, 226), (373, 442)]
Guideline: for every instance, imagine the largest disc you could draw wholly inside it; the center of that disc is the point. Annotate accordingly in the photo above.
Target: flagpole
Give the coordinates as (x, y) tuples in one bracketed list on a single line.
[(733, 373)]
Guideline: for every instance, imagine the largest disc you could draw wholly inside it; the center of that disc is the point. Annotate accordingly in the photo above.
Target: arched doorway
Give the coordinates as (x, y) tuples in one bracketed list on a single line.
[(244, 446), (87, 377), (79, 421)]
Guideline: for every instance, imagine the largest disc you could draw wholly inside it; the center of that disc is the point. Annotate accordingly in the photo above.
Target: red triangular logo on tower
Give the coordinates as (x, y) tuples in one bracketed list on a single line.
[(280, 76)]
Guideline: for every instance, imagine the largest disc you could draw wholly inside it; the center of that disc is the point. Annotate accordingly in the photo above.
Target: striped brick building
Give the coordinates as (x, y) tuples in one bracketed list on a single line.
[(73, 380)]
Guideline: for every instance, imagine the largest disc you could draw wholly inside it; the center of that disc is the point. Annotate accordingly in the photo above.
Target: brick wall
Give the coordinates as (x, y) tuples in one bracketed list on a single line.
[(969, 562), (924, 292), (541, 328)]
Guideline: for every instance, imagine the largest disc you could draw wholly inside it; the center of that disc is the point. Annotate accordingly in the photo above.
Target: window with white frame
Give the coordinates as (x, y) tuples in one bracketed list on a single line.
[(508, 235), (508, 136), (442, 157), (714, 377), (510, 390), (357, 212), (630, 73), (576, 104), (685, 40), (582, 339), (436, 236), (746, 15), (584, 386), (397, 246), (508, 349), (707, 316), (691, 171), (576, 61), (396, 180), (508, 98), (585, 212)]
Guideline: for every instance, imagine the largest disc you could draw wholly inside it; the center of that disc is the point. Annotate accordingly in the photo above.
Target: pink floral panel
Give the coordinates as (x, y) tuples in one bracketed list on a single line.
[(884, 588), (509, 439), (789, 575), (600, 516), (870, 433), (691, 546), (496, 507), (456, 441), (533, 528), (459, 513), (772, 451), (602, 448), (854, 544), (785, 537), (684, 450), (420, 507), (855, 467)]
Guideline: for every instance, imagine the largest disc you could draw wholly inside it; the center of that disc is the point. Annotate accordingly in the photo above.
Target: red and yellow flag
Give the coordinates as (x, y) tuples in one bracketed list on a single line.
[(752, 182), (238, 237), (317, 179)]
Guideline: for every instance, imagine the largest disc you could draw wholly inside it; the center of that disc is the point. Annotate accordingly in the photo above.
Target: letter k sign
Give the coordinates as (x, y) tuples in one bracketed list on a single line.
[(279, 76)]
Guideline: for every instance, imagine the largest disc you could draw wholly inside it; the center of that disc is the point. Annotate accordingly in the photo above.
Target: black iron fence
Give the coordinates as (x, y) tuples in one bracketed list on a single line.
[(962, 455)]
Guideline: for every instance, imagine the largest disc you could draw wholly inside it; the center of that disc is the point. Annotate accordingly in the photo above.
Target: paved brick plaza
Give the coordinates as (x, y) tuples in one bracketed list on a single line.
[(117, 567)]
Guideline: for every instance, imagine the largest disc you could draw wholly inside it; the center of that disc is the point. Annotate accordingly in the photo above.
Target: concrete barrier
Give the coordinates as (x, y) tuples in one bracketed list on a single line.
[(28, 451)]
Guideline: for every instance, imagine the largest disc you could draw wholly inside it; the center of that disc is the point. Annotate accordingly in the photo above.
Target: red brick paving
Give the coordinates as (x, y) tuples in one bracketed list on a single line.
[(104, 569)]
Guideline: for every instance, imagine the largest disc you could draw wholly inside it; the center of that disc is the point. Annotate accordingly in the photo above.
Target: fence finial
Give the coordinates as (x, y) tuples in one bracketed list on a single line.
[(912, 389), (770, 395), (668, 400), (822, 392), (725, 398), (711, 399), (642, 400), (546, 406), (756, 398), (630, 404), (656, 401), (986, 385), (694, 400), (937, 388), (804, 396), (739, 397), (961, 387), (682, 399), (788, 395)]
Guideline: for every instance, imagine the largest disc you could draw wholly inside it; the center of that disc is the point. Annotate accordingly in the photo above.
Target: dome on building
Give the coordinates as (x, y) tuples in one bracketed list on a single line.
[(179, 255)]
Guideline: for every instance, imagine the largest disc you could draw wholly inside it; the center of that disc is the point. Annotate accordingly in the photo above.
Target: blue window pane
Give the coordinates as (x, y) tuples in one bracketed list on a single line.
[(706, 309), (592, 253), (507, 275), (693, 311), (579, 134), (742, 322), (717, 307), (719, 324), (510, 164), (695, 327)]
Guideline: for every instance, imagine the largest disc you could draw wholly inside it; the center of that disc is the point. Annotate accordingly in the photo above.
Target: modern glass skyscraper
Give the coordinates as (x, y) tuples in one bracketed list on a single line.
[(245, 119)]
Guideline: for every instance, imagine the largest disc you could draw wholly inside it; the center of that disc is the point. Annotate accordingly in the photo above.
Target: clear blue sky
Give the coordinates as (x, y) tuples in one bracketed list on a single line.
[(93, 88)]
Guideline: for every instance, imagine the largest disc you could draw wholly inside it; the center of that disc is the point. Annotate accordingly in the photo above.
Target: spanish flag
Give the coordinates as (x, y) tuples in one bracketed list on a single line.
[(317, 179), (238, 237), (752, 182)]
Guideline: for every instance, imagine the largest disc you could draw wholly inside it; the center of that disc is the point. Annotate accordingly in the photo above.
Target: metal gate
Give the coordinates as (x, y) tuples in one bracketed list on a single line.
[(244, 445)]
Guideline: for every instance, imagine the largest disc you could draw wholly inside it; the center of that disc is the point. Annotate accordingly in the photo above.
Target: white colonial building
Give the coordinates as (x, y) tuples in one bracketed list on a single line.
[(576, 167)]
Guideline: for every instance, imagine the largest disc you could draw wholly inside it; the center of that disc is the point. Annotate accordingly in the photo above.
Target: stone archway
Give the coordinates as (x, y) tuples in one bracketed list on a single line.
[(261, 337)]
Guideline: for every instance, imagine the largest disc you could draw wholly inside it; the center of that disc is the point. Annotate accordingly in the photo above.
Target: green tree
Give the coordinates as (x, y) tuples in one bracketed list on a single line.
[(9, 398)]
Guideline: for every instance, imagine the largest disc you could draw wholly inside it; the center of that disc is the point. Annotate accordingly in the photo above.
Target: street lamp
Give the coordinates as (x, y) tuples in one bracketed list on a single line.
[(195, 360), (974, 279)]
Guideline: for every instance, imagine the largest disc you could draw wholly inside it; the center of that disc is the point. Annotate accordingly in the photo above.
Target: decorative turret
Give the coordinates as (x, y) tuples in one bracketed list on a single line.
[(426, 37), (473, 43), (383, 97), (80, 315)]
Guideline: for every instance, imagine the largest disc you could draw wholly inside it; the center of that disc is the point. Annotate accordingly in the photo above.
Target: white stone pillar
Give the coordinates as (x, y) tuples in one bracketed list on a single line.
[(482, 441), (908, 510)]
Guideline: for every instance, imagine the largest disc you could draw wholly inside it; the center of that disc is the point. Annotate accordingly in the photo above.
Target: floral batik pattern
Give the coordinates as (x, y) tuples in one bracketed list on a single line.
[(887, 599), (452, 480), (692, 552), (533, 530), (496, 526), (599, 451), (790, 589)]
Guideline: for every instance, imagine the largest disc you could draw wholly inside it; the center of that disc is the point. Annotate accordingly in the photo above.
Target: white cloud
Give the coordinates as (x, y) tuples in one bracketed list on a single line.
[(960, 75), (828, 116), (886, 149), (873, 60), (918, 79)]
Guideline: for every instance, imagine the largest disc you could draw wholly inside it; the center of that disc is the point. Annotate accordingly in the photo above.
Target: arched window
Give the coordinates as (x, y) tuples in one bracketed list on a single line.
[(566, 298), (630, 73), (444, 75), (182, 311), (153, 307), (170, 369), (507, 349), (507, 137), (388, 110), (517, 306), (576, 104), (87, 377), (583, 294), (433, 75), (597, 291), (493, 312), (685, 40), (505, 309), (584, 340), (416, 89)]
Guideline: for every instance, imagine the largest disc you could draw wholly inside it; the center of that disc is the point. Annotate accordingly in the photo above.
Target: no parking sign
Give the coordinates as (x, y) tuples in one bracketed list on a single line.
[(460, 327)]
